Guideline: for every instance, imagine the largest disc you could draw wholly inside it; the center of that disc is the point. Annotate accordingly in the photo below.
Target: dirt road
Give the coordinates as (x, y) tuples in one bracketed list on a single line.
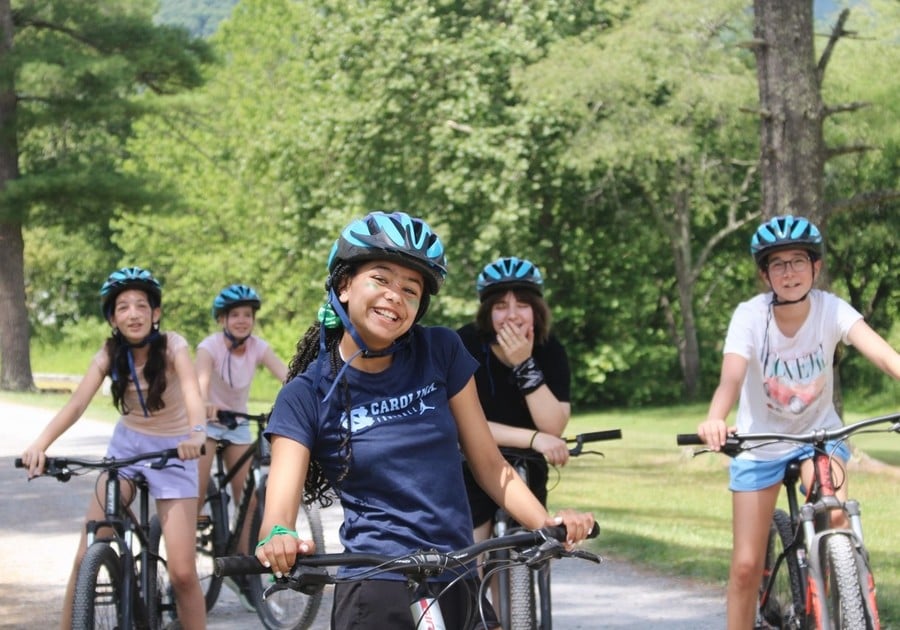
[(40, 521)]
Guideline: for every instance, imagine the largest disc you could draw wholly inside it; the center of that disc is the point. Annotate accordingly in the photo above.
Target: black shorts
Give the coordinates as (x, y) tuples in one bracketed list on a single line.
[(483, 507), (381, 604)]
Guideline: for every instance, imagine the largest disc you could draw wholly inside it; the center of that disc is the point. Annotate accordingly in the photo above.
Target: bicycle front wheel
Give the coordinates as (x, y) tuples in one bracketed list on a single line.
[(211, 528), (843, 597), (521, 598), (781, 595), (98, 590), (161, 609), (287, 609)]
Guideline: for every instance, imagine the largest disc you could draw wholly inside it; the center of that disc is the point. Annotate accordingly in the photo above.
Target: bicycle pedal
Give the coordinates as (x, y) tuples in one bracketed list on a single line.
[(203, 521)]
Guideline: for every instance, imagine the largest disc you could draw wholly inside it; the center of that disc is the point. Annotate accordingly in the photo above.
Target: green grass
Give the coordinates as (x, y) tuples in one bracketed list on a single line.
[(661, 508)]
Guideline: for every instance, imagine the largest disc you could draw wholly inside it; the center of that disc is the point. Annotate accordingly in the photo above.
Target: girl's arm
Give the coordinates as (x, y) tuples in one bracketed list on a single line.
[(204, 365), (33, 457), (196, 410), (275, 365), (714, 429), (497, 477), (287, 476), (875, 348)]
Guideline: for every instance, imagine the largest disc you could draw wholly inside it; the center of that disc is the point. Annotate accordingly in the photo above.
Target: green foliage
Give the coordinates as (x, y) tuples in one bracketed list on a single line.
[(603, 140), (83, 72)]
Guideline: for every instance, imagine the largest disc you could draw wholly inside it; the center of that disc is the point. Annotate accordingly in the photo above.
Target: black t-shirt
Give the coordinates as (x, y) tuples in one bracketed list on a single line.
[(500, 397), (504, 403)]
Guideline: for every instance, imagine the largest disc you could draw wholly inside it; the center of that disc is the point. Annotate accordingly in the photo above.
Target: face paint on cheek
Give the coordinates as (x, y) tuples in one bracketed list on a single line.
[(414, 303)]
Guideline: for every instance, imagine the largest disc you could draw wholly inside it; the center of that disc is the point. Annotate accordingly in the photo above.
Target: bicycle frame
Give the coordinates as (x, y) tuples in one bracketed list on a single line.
[(134, 602), (228, 545), (832, 562), (121, 520), (502, 522)]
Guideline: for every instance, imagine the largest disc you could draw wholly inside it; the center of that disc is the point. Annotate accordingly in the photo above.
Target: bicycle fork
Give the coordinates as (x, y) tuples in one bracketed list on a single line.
[(816, 543)]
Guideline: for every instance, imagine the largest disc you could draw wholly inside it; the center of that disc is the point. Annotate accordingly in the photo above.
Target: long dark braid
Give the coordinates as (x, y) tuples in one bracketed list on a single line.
[(317, 487), (120, 373)]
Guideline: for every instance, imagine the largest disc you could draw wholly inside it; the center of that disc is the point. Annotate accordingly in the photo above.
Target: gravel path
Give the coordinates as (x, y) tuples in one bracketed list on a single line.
[(40, 520)]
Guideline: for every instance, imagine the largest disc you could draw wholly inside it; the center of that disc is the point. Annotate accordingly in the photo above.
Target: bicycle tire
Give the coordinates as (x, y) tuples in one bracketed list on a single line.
[(843, 596), (209, 531), (161, 609), (286, 610), (98, 590), (522, 601), (786, 601)]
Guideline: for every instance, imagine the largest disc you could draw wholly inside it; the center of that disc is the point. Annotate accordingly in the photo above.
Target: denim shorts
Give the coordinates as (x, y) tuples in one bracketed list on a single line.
[(748, 475), (238, 435), (177, 481)]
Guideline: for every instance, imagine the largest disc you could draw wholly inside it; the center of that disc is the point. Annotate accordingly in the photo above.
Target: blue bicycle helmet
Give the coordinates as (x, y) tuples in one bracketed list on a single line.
[(235, 295), (395, 236), (509, 273), (785, 232), (129, 278)]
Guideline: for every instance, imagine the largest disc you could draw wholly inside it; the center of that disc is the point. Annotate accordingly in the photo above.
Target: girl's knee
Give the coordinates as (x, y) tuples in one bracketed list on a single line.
[(182, 577), (746, 572)]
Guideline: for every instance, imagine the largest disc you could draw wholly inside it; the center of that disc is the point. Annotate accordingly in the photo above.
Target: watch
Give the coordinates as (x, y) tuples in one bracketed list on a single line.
[(199, 427)]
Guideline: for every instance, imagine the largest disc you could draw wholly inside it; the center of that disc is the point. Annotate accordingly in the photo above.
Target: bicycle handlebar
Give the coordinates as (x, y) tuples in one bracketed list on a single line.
[(230, 418), (61, 467), (429, 562), (594, 436), (737, 442)]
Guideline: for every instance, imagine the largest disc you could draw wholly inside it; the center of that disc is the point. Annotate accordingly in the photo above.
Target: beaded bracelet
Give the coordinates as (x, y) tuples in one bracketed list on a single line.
[(277, 530)]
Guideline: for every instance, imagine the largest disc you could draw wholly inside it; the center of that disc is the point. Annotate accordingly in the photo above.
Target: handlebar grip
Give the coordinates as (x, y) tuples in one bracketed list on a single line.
[(559, 532), (239, 565), (689, 439), (597, 436)]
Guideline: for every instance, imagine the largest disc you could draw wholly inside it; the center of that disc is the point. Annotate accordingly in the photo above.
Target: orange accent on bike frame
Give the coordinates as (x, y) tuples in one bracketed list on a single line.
[(876, 622)]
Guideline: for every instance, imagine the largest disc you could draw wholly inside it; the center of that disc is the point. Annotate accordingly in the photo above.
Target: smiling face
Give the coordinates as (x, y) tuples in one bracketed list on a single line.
[(133, 315), (382, 300), (239, 321), (790, 273)]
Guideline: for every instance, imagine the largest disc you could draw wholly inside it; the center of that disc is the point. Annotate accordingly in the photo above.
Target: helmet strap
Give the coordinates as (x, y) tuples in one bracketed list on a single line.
[(363, 351), (777, 301)]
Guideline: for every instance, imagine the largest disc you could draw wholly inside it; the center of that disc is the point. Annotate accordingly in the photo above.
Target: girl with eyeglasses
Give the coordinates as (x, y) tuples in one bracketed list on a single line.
[(778, 366)]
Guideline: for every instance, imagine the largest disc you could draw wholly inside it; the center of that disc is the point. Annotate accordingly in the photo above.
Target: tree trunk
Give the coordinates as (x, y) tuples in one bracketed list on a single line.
[(15, 358), (792, 145)]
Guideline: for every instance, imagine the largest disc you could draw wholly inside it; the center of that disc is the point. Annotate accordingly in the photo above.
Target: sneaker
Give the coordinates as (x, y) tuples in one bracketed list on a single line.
[(240, 587)]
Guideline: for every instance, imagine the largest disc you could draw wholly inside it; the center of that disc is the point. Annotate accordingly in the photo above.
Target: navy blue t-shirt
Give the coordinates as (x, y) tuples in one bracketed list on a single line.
[(404, 490)]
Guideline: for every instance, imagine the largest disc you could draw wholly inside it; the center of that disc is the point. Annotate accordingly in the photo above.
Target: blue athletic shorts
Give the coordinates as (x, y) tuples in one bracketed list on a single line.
[(748, 475), (239, 435), (177, 481)]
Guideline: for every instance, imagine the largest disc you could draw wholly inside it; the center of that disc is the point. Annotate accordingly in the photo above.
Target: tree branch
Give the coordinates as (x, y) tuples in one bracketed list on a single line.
[(848, 148), (836, 33), (50, 26), (862, 200), (845, 107)]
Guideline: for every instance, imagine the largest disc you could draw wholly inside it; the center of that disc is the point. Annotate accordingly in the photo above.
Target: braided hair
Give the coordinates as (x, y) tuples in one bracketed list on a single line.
[(317, 487)]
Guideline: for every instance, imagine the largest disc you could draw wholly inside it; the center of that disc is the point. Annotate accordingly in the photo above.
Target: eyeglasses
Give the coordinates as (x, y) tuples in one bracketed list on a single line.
[(780, 267)]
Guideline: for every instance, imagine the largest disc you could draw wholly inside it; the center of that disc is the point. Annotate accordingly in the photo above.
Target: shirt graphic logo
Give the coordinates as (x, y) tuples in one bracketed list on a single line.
[(390, 409)]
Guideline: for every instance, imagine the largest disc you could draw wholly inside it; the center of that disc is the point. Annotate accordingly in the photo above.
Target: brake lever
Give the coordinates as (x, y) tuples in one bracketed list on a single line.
[(303, 579), (582, 554)]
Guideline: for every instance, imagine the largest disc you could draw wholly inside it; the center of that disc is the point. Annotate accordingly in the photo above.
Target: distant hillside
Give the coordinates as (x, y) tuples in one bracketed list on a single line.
[(200, 17)]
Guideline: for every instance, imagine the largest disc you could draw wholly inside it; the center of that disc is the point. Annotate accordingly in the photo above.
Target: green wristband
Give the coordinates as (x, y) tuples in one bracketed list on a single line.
[(277, 530)]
